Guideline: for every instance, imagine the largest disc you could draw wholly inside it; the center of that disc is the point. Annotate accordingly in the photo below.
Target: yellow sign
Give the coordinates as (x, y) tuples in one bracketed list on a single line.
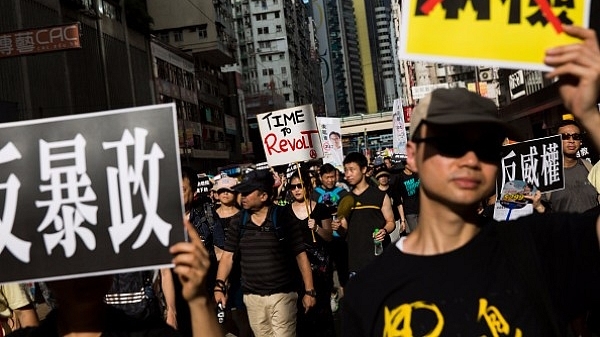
[(505, 33)]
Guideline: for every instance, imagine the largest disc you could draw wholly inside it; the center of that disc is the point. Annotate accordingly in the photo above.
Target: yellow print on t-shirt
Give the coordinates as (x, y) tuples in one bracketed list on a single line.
[(397, 321)]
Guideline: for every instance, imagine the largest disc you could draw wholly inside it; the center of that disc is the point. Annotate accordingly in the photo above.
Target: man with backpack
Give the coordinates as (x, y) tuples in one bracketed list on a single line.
[(271, 252)]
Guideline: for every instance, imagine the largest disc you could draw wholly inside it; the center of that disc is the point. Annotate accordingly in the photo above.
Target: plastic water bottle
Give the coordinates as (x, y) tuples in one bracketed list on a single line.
[(335, 233), (377, 245)]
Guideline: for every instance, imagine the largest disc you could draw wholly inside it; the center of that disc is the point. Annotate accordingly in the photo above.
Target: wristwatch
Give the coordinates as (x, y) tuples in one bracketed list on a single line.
[(310, 292)]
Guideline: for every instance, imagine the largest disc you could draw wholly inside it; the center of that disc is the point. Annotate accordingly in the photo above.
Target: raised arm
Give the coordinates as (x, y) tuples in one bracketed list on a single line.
[(578, 69), (191, 265)]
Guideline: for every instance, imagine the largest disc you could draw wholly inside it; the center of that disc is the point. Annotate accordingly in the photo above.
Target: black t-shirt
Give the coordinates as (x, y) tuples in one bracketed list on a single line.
[(268, 264), (408, 189), (319, 213), (478, 289), (118, 324), (366, 216)]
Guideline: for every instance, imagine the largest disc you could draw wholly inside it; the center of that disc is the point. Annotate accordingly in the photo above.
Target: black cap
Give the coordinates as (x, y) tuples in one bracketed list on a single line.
[(256, 180)]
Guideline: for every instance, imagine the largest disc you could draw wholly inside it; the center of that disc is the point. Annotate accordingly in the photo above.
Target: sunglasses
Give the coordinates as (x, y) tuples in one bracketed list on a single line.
[(292, 187), (567, 136), (487, 151)]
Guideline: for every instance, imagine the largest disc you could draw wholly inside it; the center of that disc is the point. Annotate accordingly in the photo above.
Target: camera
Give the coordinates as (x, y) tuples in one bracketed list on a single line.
[(220, 313)]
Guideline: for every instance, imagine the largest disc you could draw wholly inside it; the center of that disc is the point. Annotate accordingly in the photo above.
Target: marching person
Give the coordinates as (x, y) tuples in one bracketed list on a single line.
[(271, 251), (314, 220), (457, 274), (228, 210), (371, 218)]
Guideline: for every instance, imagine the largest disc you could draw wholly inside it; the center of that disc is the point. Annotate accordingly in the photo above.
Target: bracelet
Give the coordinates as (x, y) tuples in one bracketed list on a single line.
[(220, 286), (386, 232), (316, 229)]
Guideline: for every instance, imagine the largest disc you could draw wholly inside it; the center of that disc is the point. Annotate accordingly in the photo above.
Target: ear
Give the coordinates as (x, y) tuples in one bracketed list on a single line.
[(411, 155), (264, 196)]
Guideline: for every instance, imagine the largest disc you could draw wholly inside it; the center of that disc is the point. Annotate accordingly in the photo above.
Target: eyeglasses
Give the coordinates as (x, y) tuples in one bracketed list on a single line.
[(567, 136), (292, 187), (487, 151)]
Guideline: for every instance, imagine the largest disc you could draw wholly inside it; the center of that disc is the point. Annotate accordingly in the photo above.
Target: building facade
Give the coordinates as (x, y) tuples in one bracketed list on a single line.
[(111, 70), (204, 29)]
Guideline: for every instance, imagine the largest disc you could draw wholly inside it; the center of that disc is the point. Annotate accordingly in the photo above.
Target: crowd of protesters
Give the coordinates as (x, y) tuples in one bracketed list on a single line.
[(271, 252)]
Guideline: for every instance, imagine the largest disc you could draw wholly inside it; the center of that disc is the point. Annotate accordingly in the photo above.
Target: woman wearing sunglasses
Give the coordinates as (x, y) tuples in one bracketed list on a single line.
[(229, 209), (315, 223)]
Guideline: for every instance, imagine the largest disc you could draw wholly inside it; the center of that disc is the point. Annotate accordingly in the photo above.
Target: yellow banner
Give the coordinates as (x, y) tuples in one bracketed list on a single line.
[(507, 33)]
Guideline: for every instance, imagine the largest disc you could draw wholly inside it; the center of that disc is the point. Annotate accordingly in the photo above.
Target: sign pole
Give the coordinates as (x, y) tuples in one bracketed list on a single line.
[(306, 201)]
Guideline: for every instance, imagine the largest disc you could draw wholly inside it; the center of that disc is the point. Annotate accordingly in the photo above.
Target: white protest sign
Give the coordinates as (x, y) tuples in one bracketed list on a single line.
[(290, 135)]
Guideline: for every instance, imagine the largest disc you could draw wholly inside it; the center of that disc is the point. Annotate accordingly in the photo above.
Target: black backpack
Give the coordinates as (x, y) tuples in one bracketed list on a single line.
[(134, 294)]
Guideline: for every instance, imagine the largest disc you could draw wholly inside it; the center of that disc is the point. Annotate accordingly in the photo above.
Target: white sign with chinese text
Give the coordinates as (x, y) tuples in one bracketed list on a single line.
[(290, 135), (331, 137), (89, 194)]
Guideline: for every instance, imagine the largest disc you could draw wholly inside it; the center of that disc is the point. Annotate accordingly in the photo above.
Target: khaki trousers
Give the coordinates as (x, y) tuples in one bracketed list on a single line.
[(272, 315)]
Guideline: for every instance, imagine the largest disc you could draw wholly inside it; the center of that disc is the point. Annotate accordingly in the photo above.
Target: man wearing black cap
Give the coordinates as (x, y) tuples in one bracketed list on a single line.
[(458, 275), (268, 247)]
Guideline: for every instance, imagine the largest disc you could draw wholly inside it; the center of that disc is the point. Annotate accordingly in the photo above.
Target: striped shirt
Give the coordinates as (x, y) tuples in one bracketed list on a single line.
[(268, 264)]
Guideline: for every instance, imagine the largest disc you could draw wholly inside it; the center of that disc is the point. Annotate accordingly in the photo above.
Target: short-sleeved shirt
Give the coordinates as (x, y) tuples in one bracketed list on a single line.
[(578, 195), (208, 226), (320, 212), (408, 189), (12, 297), (479, 287), (268, 264)]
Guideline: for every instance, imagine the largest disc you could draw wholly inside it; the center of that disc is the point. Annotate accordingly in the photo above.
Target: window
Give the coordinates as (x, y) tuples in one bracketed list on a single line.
[(178, 36), (202, 33), (287, 97), (265, 72), (277, 15), (278, 28), (164, 37), (283, 70), (270, 71)]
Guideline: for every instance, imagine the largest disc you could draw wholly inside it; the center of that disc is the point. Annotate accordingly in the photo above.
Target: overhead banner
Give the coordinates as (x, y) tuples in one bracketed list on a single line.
[(399, 128), (89, 194), (510, 34), (330, 132), (290, 135)]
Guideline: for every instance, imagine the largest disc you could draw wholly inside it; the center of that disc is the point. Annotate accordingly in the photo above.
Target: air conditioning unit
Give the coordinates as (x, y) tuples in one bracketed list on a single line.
[(486, 75)]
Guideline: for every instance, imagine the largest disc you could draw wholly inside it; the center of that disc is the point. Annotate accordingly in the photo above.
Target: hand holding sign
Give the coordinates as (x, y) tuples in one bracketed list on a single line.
[(515, 195)]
